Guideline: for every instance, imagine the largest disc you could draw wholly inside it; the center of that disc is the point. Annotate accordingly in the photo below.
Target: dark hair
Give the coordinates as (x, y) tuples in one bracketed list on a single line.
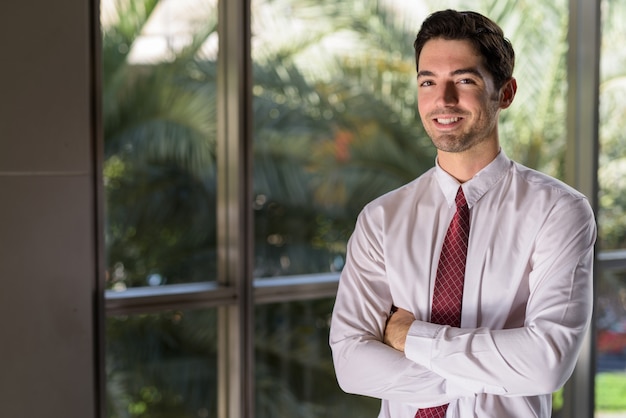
[(486, 36)]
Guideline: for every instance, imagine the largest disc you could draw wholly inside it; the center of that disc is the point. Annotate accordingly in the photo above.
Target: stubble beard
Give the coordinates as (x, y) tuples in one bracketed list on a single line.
[(462, 141), (458, 141), (454, 143)]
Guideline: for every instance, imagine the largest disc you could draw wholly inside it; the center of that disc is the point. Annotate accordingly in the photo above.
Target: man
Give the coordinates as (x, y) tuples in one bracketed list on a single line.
[(526, 296)]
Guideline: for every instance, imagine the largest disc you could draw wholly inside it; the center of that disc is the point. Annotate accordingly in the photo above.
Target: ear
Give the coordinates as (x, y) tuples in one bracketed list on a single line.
[(507, 93)]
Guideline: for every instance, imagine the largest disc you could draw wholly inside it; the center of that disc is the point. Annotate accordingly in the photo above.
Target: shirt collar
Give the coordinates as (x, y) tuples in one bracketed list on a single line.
[(477, 186)]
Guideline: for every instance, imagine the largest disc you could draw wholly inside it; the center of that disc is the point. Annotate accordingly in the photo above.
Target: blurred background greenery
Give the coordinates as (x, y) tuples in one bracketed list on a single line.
[(334, 126)]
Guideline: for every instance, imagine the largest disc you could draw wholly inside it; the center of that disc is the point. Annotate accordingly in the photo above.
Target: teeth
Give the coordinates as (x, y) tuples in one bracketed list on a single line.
[(447, 121)]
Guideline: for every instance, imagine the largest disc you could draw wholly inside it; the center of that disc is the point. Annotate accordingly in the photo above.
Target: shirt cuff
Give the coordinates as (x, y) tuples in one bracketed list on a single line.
[(423, 343), (420, 341)]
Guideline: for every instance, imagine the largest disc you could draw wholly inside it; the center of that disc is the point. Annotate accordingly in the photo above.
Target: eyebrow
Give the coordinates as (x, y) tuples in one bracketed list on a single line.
[(460, 71)]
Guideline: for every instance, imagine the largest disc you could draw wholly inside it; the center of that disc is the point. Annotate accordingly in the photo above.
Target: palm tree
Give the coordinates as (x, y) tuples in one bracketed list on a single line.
[(159, 127), (348, 120), (335, 125), (159, 170)]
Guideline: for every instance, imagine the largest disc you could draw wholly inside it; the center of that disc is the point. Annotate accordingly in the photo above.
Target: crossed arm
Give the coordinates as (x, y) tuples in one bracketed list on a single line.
[(397, 328), (403, 359)]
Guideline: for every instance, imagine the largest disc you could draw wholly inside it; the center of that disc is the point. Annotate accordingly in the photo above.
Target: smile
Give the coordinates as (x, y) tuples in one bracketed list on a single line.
[(447, 121)]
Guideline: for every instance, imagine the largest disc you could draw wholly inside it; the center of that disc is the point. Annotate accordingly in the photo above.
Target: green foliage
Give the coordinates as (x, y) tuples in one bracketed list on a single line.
[(557, 401), (294, 369), (335, 125), (612, 167), (611, 392), (161, 366), (328, 138), (159, 169), (351, 119)]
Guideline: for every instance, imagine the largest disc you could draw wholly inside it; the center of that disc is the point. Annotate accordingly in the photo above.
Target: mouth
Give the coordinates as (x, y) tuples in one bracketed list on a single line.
[(447, 121)]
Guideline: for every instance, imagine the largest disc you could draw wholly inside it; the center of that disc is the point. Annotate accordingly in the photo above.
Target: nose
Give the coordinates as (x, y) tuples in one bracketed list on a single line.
[(447, 94)]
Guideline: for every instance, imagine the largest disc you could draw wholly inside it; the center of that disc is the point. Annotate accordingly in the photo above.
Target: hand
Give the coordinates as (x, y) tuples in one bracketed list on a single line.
[(397, 328)]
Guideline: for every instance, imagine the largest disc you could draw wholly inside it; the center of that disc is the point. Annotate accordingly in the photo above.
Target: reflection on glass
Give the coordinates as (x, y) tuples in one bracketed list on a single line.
[(162, 365), (294, 373), (159, 70), (611, 288)]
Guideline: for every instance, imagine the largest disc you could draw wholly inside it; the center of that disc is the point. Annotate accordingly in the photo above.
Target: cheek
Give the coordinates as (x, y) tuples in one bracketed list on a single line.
[(422, 106)]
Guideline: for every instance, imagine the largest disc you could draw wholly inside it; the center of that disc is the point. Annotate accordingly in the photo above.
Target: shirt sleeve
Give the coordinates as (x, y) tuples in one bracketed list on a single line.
[(539, 357), (363, 363)]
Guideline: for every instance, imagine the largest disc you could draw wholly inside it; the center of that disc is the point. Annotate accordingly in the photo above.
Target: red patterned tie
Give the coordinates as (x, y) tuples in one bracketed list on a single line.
[(448, 292)]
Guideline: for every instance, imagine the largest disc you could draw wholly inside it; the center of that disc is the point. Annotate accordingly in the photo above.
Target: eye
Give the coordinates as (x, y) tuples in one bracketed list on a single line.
[(426, 83), (466, 81)]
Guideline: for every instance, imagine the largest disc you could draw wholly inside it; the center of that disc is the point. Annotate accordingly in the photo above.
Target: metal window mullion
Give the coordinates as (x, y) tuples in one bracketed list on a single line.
[(581, 165), (235, 326), (161, 298), (293, 288)]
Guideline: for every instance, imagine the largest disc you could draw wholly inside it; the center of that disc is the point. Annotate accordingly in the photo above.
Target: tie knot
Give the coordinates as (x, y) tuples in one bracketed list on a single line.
[(460, 198)]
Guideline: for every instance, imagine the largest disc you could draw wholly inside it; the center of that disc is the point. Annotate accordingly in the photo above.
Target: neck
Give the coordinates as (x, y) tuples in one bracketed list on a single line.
[(464, 165)]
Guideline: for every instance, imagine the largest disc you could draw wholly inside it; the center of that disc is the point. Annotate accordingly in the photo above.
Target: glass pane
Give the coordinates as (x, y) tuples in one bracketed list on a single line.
[(294, 373), (159, 117), (335, 122), (334, 112), (611, 289), (162, 365)]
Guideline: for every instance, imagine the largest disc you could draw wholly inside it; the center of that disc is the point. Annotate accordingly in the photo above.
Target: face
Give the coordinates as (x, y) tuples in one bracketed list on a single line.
[(457, 100)]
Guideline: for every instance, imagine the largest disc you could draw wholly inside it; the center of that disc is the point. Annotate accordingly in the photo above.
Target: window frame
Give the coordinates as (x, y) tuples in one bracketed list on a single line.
[(581, 167)]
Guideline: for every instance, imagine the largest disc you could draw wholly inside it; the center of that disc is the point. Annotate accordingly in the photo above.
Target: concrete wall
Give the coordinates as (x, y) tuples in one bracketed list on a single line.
[(47, 211)]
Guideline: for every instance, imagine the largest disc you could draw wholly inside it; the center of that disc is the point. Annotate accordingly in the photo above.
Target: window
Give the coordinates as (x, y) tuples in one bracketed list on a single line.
[(160, 130), (233, 183), (159, 101), (162, 364)]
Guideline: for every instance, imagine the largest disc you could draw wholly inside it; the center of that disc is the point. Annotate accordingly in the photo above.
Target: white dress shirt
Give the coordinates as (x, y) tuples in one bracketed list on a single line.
[(527, 297)]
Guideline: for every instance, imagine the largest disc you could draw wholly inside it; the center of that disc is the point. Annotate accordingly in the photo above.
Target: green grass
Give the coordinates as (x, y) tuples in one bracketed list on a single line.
[(611, 392)]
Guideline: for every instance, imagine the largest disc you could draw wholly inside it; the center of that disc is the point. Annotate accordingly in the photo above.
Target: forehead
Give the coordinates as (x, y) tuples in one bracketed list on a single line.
[(445, 55)]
